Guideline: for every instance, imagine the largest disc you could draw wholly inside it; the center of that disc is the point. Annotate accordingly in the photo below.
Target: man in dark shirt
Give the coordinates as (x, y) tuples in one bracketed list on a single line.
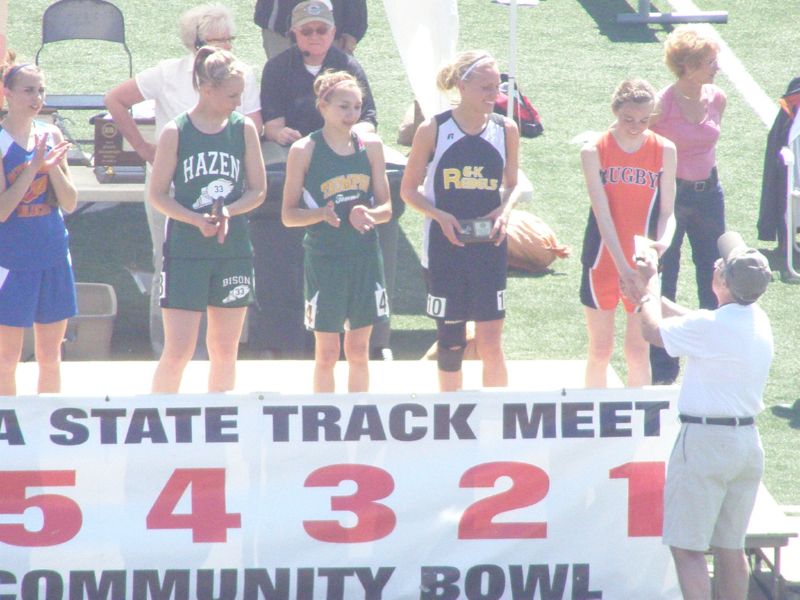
[(288, 106), (274, 18)]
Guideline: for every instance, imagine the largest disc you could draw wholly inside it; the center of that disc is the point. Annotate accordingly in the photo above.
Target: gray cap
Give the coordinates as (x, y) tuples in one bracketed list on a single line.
[(312, 10), (745, 269)]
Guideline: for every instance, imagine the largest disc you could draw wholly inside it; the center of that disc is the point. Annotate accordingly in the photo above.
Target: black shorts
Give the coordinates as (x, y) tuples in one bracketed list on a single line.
[(467, 284)]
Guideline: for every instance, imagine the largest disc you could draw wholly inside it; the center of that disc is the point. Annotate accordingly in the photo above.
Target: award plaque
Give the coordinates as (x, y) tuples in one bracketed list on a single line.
[(475, 231)]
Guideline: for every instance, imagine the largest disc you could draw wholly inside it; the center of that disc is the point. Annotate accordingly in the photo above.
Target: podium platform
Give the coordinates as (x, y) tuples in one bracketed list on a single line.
[(127, 378)]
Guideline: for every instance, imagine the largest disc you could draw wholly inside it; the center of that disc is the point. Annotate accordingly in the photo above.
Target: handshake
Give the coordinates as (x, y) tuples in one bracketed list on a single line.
[(634, 281)]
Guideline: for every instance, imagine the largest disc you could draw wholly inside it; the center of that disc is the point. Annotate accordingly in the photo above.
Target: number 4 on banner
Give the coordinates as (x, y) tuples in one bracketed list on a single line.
[(208, 518)]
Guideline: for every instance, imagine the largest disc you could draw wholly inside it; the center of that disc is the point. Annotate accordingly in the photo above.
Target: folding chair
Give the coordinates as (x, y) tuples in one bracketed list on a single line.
[(66, 20), (792, 216)]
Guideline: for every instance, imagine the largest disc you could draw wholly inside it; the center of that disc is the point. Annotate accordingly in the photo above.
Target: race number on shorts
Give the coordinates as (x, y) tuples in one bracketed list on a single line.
[(501, 299), (311, 312), (381, 301), (436, 306)]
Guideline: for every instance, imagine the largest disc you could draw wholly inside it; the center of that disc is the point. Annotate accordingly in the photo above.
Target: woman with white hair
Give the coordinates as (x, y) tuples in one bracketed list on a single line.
[(169, 83)]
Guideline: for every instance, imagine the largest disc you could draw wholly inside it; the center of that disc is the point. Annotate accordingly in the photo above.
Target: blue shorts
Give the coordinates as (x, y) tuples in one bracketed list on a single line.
[(40, 296)]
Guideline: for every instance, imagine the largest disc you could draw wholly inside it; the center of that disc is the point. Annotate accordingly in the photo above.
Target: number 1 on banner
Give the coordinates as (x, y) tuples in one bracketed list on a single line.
[(645, 496), (208, 518)]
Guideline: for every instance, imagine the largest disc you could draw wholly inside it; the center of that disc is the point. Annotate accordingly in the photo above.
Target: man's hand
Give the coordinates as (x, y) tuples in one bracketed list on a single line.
[(288, 136)]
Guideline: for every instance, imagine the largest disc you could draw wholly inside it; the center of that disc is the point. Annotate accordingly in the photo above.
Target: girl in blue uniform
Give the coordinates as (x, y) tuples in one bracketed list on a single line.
[(467, 159), (37, 287)]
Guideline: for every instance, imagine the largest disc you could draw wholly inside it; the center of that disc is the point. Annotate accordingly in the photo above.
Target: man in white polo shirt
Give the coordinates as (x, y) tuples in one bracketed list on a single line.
[(717, 462)]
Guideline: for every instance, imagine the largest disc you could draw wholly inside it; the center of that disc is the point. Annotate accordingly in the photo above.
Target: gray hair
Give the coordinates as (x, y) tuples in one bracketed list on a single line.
[(204, 22)]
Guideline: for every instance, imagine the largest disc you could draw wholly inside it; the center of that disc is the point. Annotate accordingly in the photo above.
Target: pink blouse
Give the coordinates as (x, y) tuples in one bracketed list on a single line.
[(695, 142)]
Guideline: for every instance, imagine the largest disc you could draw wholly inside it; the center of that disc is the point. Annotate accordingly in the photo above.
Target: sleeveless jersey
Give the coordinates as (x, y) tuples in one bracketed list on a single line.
[(347, 182), (463, 177), (209, 167), (631, 181), (34, 236)]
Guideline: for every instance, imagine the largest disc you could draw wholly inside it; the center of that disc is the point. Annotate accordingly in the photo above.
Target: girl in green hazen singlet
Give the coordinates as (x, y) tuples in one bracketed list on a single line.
[(211, 158), (336, 187)]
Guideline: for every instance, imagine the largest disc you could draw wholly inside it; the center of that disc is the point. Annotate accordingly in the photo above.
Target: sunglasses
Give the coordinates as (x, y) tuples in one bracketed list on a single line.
[(309, 31)]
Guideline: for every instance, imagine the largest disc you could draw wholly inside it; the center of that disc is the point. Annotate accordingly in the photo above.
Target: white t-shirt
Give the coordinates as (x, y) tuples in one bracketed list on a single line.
[(729, 352), (169, 83)]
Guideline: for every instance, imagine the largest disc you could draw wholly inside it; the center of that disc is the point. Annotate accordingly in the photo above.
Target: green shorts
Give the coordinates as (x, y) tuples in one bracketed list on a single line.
[(344, 292), (196, 283)]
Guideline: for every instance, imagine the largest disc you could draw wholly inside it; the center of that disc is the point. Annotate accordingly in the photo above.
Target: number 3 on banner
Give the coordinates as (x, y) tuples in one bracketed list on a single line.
[(375, 520), (208, 519), (61, 516)]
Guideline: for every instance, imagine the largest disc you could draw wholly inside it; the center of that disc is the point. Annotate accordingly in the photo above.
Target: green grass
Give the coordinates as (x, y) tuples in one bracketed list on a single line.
[(571, 56)]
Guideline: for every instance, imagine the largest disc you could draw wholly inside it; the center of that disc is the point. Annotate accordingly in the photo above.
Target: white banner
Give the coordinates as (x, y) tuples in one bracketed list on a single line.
[(474, 495)]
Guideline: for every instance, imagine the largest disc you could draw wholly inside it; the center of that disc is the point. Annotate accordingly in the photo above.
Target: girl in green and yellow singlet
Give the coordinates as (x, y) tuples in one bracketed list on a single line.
[(336, 187)]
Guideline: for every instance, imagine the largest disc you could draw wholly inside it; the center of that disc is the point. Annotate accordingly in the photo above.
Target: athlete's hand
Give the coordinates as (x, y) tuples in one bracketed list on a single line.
[(632, 285), (328, 214), (222, 218), (361, 220), (499, 225), (43, 160), (450, 227), (207, 224)]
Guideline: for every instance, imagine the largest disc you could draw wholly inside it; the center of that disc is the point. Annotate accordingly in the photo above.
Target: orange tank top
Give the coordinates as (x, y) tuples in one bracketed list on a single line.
[(632, 182)]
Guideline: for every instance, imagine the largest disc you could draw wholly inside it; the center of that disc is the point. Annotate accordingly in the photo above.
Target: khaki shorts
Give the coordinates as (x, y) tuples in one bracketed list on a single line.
[(711, 487)]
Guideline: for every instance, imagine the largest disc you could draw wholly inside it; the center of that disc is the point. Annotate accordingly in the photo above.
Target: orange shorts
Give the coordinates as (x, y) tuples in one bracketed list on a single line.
[(600, 287)]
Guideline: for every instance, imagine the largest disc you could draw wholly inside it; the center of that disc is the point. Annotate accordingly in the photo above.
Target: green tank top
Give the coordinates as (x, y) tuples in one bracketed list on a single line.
[(347, 182), (210, 166)]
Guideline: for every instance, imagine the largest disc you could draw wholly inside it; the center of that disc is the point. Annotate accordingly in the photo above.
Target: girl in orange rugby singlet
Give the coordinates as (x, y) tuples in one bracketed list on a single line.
[(630, 177)]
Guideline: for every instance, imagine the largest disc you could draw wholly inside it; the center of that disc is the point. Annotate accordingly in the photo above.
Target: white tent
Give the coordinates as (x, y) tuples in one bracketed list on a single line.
[(426, 34)]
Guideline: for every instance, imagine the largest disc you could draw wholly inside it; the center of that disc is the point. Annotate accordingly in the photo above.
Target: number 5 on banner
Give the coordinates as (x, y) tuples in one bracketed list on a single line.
[(61, 516), (208, 518)]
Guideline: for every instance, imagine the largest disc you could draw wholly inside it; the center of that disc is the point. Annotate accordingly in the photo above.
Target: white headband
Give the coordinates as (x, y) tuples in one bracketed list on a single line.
[(474, 64)]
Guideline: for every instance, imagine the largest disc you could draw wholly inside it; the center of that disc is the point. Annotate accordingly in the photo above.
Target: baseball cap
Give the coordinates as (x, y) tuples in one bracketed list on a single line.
[(312, 10), (745, 269)]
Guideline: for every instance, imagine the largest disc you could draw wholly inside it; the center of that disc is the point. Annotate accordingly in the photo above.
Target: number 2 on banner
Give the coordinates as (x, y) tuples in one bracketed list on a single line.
[(529, 485), (208, 518), (375, 520), (61, 516)]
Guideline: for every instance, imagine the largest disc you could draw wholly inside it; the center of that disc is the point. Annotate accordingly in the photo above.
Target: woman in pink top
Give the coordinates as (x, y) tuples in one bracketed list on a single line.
[(689, 113)]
